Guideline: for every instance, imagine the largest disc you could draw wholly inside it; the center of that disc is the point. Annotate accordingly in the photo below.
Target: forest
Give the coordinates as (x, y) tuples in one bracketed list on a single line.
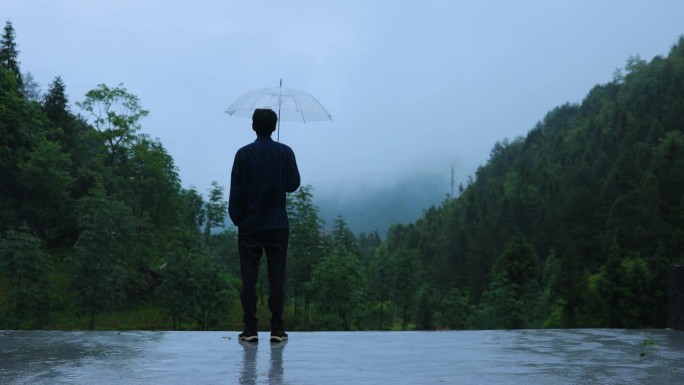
[(573, 225)]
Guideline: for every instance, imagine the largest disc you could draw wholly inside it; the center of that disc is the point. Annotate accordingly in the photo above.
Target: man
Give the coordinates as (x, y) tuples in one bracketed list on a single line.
[(263, 172)]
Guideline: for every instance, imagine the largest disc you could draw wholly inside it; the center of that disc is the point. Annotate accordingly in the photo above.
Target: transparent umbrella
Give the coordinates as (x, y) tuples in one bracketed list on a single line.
[(290, 104)]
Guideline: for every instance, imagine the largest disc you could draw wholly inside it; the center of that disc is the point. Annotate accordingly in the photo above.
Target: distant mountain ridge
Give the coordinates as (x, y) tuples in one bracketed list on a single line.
[(403, 201)]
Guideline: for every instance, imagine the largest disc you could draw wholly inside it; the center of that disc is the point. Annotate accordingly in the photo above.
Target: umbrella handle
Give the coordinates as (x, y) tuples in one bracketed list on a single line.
[(280, 101)]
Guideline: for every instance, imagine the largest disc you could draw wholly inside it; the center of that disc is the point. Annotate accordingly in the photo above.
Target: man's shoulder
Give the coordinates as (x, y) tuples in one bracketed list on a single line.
[(284, 146), (246, 147), (278, 146), (264, 145)]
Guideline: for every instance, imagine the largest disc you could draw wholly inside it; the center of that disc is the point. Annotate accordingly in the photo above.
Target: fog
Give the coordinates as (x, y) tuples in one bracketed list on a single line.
[(413, 87)]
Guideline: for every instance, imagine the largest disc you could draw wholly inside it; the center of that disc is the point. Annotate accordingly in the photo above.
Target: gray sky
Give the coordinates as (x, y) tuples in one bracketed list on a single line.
[(413, 86)]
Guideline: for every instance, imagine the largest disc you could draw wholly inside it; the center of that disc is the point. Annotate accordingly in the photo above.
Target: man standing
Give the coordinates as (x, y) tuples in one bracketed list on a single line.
[(263, 172)]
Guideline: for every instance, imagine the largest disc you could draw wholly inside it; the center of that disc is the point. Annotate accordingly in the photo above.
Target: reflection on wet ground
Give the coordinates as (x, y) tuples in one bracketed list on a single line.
[(588, 356)]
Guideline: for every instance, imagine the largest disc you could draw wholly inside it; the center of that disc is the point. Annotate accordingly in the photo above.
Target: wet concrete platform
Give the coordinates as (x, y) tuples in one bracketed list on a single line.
[(588, 356)]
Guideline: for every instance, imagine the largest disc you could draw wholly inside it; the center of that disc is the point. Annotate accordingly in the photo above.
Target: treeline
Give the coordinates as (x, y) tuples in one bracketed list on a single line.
[(94, 223), (92, 213), (574, 225)]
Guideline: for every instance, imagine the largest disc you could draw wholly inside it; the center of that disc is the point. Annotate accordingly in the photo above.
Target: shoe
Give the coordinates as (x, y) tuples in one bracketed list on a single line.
[(249, 336), (278, 336)]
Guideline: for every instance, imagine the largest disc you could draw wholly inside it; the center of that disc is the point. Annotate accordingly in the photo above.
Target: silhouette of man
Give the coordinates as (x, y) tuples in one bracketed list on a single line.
[(263, 172)]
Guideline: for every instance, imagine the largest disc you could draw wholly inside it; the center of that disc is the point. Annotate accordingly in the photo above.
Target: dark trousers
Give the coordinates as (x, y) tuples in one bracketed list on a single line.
[(251, 245)]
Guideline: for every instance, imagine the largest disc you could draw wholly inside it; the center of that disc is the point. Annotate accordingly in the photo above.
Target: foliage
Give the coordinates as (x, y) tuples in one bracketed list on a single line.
[(216, 210), (573, 225), (306, 247), (9, 54), (194, 290), (102, 267), (337, 292), (30, 88), (115, 113), (594, 190), (25, 268)]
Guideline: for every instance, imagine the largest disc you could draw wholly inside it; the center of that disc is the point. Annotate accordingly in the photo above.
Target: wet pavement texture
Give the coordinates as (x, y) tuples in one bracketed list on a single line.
[(581, 356)]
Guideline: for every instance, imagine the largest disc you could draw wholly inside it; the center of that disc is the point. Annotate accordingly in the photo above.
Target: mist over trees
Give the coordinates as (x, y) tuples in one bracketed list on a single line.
[(402, 200), (573, 225)]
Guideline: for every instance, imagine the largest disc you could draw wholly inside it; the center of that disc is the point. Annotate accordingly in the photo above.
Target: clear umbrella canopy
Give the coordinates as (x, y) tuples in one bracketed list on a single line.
[(291, 105)]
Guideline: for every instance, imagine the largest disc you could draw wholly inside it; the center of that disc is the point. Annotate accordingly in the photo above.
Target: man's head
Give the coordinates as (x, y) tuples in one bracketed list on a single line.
[(264, 121)]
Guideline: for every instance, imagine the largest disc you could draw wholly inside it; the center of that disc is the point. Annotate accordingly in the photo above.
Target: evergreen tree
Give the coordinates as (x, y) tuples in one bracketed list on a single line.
[(9, 55), (379, 286), (343, 237), (306, 249), (14, 139), (454, 311), (406, 276), (30, 88), (56, 102), (45, 182)]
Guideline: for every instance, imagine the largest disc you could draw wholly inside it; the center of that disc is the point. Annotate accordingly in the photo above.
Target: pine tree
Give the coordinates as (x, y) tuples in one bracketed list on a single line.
[(30, 89), (55, 101), (9, 53), (305, 250)]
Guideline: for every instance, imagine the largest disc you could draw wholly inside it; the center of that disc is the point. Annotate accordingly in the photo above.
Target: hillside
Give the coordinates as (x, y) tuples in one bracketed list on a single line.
[(577, 223)]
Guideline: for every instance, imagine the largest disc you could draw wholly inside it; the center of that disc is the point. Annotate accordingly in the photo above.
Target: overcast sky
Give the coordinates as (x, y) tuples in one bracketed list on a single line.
[(413, 86)]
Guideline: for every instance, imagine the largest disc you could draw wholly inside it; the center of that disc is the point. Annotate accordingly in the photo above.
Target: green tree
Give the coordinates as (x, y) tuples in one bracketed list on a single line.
[(216, 209), (45, 180), (195, 287), (306, 249), (336, 291), (454, 311), (177, 292), (406, 276), (30, 88), (216, 290), (501, 307), (14, 140), (518, 262), (343, 238), (116, 114), (9, 54), (25, 267), (636, 278), (550, 307), (380, 273), (103, 266), (192, 210), (513, 292), (223, 247), (56, 103), (153, 184), (425, 309)]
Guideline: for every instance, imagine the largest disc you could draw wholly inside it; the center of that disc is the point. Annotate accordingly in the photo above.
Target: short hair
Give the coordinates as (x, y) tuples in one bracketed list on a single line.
[(264, 121)]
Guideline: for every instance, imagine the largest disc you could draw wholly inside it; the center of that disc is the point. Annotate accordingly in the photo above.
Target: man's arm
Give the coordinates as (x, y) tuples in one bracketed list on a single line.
[(293, 178), (235, 209)]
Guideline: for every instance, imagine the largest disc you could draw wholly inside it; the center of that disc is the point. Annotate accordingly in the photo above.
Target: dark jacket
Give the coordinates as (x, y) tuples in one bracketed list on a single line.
[(263, 172)]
